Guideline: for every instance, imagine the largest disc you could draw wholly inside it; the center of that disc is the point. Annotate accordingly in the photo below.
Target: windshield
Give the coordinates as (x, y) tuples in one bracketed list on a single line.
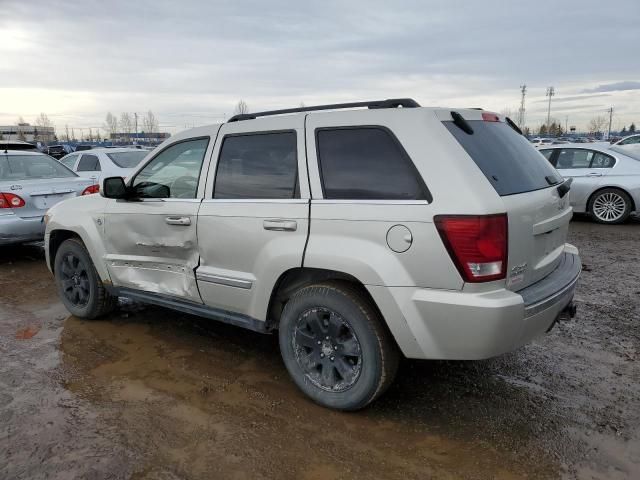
[(127, 159), (506, 158), (31, 167)]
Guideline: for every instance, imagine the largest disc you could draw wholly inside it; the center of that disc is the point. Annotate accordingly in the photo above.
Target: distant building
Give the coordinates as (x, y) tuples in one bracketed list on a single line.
[(140, 137), (27, 133)]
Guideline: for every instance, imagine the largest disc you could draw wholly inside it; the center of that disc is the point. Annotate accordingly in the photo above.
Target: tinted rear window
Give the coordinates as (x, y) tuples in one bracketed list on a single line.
[(127, 159), (506, 158), (30, 167)]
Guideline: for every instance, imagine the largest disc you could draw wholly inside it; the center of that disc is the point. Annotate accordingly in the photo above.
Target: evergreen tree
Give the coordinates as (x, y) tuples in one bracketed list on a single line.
[(632, 128)]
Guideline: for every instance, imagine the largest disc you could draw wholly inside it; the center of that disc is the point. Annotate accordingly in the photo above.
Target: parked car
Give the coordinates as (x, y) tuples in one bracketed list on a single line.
[(358, 234), (104, 162), (17, 145), (58, 151), (30, 183), (538, 141), (606, 182), (629, 140)]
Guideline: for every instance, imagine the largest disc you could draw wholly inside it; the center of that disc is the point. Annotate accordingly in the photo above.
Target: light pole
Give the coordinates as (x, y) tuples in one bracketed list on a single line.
[(550, 93)]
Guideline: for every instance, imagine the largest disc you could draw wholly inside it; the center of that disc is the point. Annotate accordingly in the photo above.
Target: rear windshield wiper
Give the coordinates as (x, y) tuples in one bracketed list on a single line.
[(461, 123), (512, 124)]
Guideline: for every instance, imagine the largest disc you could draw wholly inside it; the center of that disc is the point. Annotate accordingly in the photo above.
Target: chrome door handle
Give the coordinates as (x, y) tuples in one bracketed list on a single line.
[(178, 220), (280, 225), (594, 174)]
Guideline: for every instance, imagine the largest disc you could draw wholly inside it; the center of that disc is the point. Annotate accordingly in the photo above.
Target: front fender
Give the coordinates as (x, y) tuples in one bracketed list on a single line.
[(84, 217)]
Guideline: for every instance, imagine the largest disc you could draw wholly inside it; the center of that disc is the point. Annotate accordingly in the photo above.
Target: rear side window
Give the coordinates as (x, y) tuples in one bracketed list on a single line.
[(366, 163), (546, 154), (257, 166), (88, 163), (506, 158), (600, 160), (127, 159), (69, 161)]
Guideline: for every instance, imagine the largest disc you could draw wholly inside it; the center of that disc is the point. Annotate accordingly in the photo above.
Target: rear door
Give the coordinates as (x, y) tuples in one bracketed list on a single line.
[(576, 163), (538, 217), (253, 222), (151, 240), (89, 167)]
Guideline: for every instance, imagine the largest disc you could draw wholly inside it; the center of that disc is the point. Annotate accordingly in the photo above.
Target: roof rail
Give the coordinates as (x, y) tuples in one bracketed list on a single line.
[(389, 103)]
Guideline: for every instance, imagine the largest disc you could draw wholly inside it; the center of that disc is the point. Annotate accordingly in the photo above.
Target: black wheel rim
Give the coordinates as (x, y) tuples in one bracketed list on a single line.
[(75, 280), (327, 350)]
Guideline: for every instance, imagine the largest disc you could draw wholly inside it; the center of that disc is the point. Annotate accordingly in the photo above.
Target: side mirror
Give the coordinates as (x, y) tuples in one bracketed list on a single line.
[(113, 187)]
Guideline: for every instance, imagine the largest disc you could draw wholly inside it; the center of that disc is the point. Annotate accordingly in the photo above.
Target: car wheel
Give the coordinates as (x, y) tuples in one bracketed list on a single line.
[(610, 206), (335, 346), (79, 285)]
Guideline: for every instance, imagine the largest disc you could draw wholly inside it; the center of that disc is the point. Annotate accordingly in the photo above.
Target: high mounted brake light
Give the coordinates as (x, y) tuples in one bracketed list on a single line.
[(477, 244), (490, 117), (10, 200)]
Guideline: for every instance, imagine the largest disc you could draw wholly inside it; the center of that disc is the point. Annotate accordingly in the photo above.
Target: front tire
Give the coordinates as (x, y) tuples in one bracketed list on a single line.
[(335, 346), (610, 206), (78, 283)]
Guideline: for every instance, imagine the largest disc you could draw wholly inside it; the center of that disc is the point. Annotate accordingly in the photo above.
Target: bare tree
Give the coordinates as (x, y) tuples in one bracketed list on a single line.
[(44, 125), (110, 124), (508, 112), (150, 122), (66, 131), (241, 108), (20, 122), (126, 124), (597, 124)]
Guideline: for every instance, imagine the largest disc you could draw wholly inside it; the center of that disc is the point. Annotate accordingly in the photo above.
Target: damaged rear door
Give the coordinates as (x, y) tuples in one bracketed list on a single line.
[(151, 238)]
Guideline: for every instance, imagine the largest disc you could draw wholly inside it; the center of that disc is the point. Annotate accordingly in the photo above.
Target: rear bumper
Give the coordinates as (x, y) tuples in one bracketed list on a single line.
[(470, 326), (14, 229)]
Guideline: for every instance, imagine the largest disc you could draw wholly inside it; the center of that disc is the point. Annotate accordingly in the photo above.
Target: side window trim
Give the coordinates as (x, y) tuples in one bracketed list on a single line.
[(401, 149), (204, 161), (296, 189)]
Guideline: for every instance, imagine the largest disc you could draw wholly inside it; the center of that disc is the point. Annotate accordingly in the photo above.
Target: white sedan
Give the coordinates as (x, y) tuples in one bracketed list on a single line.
[(104, 162), (606, 180)]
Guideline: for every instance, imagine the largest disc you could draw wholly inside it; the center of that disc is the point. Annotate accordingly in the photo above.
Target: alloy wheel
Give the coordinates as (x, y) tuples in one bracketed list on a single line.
[(75, 280), (327, 350), (609, 207)]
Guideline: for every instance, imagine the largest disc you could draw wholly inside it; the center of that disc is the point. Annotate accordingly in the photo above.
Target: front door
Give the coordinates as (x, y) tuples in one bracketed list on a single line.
[(253, 222), (151, 240)]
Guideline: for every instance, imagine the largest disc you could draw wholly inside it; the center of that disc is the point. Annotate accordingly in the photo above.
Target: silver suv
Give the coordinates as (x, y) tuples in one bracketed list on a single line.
[(360, 232)]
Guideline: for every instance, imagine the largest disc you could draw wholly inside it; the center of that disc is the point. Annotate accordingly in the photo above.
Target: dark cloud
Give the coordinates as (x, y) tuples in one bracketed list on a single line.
[(614, 87)]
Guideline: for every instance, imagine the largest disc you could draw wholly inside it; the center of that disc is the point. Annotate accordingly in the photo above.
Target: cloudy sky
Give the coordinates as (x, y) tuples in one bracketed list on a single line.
[(191, 61)]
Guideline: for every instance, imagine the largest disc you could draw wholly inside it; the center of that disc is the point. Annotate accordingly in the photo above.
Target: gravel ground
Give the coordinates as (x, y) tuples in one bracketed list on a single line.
[(151, 394)]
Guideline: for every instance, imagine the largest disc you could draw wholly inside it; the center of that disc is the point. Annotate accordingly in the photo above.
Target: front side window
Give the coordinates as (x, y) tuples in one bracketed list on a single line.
[(366, 163), (88, 163), (31, 167), (574, 158), (257, 166), (69, 161), (173, 173), (630, 140)]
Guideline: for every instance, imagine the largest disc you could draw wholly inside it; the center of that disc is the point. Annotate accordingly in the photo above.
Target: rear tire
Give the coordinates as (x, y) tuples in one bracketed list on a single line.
[(336, 347), (610, 206), (78, 283)]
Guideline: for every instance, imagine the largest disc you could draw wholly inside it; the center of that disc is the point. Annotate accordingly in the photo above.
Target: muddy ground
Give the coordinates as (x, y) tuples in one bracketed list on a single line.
[(151, 394)]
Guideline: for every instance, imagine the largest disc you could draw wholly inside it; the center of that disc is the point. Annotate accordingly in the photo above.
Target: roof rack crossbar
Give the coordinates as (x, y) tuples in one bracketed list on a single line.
[(389, 103)]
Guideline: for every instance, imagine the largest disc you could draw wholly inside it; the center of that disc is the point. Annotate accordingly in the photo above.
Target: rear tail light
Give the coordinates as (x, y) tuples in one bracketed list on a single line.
[(10, 200), (477, 244), (91, 189)]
